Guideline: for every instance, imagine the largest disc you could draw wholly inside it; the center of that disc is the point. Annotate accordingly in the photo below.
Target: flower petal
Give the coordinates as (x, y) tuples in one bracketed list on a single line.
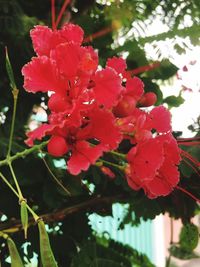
[(157, 187), (67, 57), (107, 87), (161, 119), (41, 75), (145, 159), (39, 133), (135, 88), (83, 155), (44, 40), (72, 33), (118, 64)]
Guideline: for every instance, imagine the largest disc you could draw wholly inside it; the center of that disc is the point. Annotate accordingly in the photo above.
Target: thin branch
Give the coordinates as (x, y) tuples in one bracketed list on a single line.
[(35, 216), (145, 68), (16, 226), (23, 153), (16, 182), (98, 34)]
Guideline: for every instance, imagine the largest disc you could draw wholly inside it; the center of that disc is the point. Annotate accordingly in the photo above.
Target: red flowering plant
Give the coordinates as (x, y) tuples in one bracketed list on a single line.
[(105, 125), (92, 110)]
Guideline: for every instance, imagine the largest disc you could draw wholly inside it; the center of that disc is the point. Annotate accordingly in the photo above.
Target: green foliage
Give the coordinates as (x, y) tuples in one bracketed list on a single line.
[(182, 254), (112, 254), (189, 237), (174, 101)]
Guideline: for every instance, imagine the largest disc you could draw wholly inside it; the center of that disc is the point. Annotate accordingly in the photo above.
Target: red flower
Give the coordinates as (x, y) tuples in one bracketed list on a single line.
[(153, 166), (91, 111)]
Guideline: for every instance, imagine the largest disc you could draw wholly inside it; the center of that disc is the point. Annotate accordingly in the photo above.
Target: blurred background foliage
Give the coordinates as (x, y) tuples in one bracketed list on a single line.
[(128, 26)]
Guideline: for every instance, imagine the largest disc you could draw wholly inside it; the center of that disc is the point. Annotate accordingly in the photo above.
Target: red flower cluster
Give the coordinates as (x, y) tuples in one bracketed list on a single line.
[(92, 110)]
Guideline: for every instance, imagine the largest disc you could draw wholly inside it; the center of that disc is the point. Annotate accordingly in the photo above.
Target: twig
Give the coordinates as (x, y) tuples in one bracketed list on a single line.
[(23, 153), (16, 226), (98, 34)]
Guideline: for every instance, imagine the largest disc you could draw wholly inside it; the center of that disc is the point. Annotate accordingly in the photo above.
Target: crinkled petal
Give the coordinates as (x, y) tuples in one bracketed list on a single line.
[(116, 63), (83, 155), (89, 61), (170, 173), (40, 75), (67, 57), (103, 128), (145, 159), (158, 187), (161, 119), (44, 40), (107, 87), (135, 88), (172, 151), (72, 33), (39, 133), (133, 184)]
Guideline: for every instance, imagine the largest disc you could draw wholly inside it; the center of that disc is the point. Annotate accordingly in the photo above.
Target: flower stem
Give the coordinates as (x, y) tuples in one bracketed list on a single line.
[(15, 92), (55, 178), (61, 12), (188, 193), (53, 14), (121, 168), (120, 155)]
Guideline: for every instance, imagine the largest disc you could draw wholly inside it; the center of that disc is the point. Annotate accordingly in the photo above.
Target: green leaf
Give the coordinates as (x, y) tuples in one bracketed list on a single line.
[(14, 254), (182, 254), (189, 237), (174, 101), (164, 71), (10, 71)]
